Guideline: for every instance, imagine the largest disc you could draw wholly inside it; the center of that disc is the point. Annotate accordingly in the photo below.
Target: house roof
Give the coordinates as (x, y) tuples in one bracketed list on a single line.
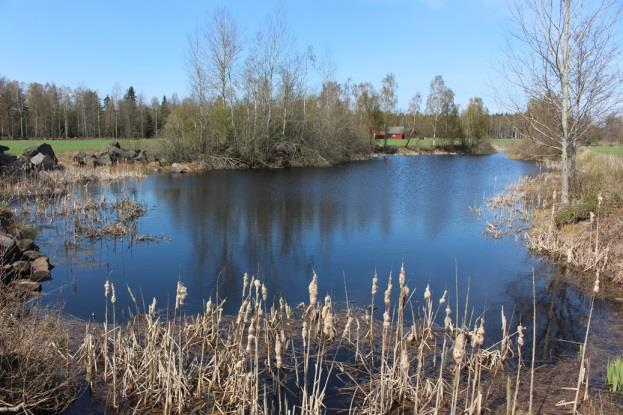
[(396, 130)]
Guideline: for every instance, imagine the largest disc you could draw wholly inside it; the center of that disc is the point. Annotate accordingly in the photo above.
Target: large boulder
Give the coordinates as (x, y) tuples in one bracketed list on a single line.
[(178, 168), (9, 251), (44, 149), (42, 162), (40, 269)]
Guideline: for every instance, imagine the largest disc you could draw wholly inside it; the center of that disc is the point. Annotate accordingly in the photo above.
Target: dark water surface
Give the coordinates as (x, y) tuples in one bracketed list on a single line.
[(343, 222)]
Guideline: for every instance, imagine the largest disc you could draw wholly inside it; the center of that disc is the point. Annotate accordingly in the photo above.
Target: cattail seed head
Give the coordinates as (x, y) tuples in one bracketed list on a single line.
[(596, 286), (113, 297), (313, 290), (264, 293), (375, 283), (402, 276), (388, 291), (427, 293), (459, 348), (442, 300), (245, 283), (447, 321), (278, 361), (520, 336), (180, 295), (386, 319), (106, 289)]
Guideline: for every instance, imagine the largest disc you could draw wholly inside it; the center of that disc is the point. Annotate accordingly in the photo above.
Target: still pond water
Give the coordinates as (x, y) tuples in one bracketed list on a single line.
[(342, 222)]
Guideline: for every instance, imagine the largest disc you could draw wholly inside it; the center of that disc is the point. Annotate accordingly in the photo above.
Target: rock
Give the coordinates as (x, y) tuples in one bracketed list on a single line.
[(8, 249), (26, 286), (43, 162), (6, 159), (27, 245), (178, 168), (154, 166), (31, 255), (40, 269), (44, 149)]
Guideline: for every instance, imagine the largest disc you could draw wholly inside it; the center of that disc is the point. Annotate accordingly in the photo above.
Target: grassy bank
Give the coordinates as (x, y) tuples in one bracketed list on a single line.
[(16, 147), (612, 150)]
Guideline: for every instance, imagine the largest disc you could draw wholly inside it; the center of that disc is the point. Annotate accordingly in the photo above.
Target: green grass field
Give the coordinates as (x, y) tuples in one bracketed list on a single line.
[(415, 142), (62, 146), (615, 150), (428, 142)]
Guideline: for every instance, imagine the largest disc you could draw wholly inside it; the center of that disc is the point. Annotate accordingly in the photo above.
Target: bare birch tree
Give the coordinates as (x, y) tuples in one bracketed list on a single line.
[(564, 57)]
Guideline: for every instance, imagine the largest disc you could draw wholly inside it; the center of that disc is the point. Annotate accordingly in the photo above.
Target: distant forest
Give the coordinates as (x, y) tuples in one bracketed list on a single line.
[(38, 110)]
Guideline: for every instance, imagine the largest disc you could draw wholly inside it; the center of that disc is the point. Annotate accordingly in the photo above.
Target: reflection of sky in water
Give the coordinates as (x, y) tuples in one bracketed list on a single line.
[(342, 222)]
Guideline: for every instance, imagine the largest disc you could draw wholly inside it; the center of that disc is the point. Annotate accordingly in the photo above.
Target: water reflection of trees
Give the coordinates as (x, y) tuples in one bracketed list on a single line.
[(561, 310)]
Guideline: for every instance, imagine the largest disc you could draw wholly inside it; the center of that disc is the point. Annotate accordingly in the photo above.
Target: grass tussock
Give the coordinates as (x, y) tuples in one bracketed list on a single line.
[(419, 357)]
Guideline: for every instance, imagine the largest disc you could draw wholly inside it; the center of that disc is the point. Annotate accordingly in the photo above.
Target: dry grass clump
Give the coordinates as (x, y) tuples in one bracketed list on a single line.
[(36, 374), (271, 358)]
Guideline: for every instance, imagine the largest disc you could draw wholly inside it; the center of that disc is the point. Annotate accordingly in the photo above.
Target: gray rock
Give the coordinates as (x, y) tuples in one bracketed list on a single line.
[(43, 162), (44, 149), (178, 168), (40, 269), (27, 245)]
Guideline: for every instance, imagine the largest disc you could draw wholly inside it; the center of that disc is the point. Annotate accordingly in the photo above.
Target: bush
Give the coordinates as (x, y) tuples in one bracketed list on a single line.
[(575, 213)]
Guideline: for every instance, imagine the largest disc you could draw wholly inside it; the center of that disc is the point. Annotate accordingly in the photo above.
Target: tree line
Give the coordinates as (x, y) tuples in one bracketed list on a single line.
[(49, 111)]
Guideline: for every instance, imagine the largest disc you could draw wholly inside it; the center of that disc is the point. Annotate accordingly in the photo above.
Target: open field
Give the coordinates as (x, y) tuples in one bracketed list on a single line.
[(62, 146), (614, 150)]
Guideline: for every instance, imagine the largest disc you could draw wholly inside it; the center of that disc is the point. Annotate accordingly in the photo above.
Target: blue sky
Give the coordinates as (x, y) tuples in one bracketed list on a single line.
[(143, 43)]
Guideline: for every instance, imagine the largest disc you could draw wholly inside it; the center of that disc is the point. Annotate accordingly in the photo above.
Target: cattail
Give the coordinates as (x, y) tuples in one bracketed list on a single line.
[(402, 276), (600, 199), (251, 336), (386, 319), (327, 326), (106, 289), (152, 307), (442, 300), (326, 308), (459, 348), (375, 283), (264, 293), (412, 336), (209, 307), (520, 337), (278, 361), (592, 216), (180, 295), (258, 285), (596, 286), (388, 291), (113, 297), (569, 255), (480, 333), (245, 283), (504, 341), (427, 293), (447, 321), (313, 290)]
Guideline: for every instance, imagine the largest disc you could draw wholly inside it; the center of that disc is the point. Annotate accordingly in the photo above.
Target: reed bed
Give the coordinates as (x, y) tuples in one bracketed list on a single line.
[(55, 182), (37, 369), (418, 357)]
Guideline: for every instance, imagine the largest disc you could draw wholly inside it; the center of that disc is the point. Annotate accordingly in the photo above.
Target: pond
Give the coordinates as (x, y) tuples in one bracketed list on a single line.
[(343, 222)]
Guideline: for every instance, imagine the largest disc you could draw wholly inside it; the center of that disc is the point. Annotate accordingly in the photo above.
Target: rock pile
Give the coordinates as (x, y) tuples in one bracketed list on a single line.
[(113, 155), (22, 266), (36, 158)]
